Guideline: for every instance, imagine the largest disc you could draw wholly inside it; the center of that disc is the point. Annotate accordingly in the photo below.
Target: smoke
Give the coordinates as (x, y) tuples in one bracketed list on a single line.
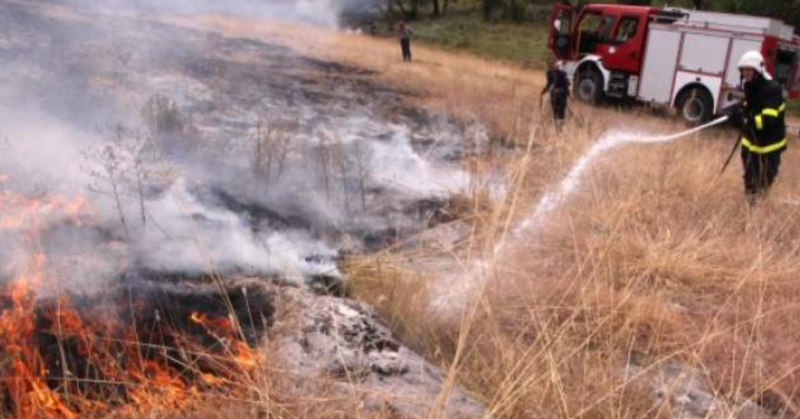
[(197, 238), (254, 168), (37, 151), (318, 12)]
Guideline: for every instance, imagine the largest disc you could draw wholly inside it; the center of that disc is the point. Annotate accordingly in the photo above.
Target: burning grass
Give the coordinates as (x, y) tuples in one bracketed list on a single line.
[(64, 360), (139, 350)]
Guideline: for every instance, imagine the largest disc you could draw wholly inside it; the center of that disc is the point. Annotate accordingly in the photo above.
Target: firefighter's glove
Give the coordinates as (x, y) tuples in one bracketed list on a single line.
[(735, 114)]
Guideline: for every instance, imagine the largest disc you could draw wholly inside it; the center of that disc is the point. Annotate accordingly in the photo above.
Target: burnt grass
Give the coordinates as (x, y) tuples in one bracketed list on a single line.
[(76, 70), (69, 56)]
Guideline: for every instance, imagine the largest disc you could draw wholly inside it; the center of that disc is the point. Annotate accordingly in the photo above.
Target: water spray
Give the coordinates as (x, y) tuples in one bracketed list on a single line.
[(454, 296), (570, 183)]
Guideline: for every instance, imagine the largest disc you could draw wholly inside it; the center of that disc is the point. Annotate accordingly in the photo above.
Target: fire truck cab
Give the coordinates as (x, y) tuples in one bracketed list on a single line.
[(681, 58)]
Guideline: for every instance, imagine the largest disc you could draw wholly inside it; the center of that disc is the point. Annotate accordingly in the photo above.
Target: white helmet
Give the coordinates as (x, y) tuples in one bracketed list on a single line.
[(754, 59)]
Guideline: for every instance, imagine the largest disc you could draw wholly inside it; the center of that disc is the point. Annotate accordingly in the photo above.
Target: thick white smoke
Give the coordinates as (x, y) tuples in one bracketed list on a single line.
[(195, 200), (319, 12)]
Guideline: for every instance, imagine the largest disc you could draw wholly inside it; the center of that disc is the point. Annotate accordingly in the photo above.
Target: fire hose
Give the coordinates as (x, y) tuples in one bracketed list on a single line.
[(670, 137)]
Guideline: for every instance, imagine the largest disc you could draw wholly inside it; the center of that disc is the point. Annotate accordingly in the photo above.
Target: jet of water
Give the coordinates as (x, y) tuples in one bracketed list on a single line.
[(452, 299), (552, 199)]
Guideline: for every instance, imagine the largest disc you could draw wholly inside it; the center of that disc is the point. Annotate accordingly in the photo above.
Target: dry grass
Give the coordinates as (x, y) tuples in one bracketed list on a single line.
[(655, 260)]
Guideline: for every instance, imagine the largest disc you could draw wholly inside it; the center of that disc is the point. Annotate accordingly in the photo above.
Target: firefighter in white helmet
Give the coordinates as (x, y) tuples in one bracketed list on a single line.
[(761, 119)]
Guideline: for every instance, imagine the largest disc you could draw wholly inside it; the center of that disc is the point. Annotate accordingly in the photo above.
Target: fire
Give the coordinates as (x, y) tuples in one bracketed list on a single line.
[(223, 330), (28, 391), (94, 362), (17, 212)]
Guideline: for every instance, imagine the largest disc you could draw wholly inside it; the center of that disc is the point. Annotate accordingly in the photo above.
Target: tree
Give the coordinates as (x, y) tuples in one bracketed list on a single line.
[(108, 171), (272, 144), (324, 161), (172, 132), (127, 164), (787, 11), (408, 13), (488, 8), (362, 159)]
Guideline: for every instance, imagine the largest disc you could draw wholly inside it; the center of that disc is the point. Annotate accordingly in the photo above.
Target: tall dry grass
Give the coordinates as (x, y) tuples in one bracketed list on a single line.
[(656, 260)]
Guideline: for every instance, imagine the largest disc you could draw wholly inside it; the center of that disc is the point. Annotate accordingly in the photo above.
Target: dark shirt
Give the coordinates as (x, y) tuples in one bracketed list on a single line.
[(557, 82), (404, 33)]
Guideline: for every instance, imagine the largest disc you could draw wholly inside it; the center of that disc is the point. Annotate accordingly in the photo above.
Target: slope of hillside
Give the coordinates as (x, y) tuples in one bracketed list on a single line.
[(651, 291), (655, 291)]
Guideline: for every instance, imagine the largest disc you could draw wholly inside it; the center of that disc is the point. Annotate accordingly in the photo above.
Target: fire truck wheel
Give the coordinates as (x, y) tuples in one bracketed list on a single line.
[(590, 85), (695, 105)]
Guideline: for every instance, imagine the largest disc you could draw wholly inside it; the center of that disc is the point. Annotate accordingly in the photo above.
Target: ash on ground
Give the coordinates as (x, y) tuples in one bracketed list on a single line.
[(211, 157), (205, 152)]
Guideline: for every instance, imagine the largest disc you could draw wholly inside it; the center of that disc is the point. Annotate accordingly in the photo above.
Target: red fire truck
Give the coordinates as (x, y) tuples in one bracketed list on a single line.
[(680, 58)]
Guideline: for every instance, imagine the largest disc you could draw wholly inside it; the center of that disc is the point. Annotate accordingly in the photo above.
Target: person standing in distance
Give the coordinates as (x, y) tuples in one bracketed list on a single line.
[(404, 34)]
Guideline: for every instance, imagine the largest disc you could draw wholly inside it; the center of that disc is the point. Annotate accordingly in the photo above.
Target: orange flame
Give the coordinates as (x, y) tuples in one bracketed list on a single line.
[(150, 380)]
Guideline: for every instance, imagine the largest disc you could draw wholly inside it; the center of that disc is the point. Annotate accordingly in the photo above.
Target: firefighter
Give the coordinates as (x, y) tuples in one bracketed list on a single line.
[(761, 119), (558, 87)]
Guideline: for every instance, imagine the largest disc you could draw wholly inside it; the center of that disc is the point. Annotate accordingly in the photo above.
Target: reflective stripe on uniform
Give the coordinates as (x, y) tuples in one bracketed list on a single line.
[(774, 112), (759, 119), (763, 150)]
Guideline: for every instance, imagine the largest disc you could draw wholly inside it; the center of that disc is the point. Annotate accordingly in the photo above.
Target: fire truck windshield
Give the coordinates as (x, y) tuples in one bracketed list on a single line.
[(594, 29), (627, 28)]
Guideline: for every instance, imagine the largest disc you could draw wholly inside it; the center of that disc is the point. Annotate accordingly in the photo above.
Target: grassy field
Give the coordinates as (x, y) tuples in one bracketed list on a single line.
[(657, 263), (465, 30)]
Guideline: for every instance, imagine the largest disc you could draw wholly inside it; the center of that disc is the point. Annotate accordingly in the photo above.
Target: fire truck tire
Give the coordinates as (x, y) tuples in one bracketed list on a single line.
[(695, 105), (589, 86)]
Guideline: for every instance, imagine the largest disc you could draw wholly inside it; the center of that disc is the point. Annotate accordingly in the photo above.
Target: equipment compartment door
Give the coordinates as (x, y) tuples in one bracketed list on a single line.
[(704, 54), (660, 63)]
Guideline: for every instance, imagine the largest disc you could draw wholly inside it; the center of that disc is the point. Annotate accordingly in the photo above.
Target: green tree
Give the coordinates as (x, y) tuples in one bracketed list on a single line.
[(787, 11)]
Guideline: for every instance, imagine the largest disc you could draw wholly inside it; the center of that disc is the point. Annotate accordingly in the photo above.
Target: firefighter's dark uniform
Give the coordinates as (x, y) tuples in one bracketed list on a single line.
[(763, 135), (558, 86)]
